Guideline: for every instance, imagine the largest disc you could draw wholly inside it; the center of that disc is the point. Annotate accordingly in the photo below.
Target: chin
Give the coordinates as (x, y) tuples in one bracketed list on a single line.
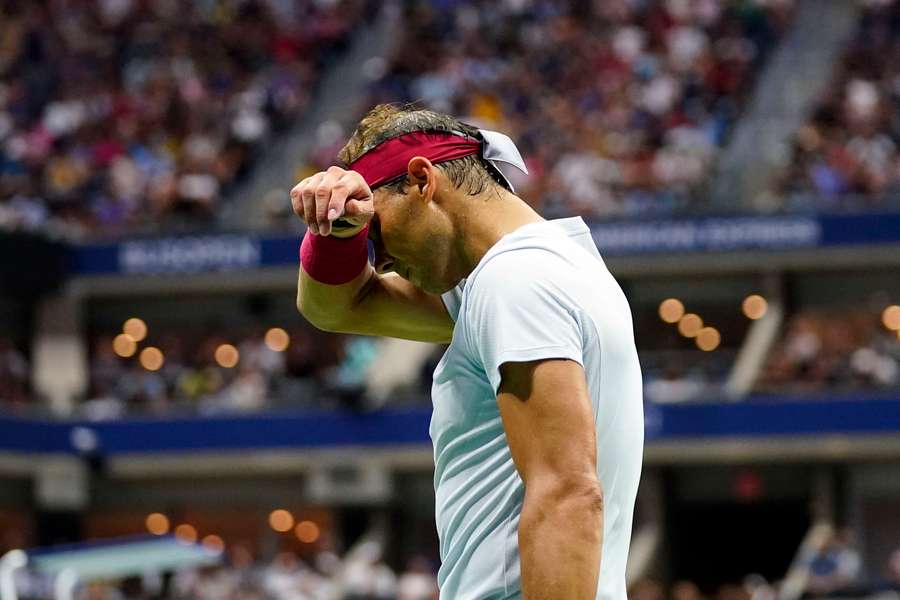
[(440, 288)]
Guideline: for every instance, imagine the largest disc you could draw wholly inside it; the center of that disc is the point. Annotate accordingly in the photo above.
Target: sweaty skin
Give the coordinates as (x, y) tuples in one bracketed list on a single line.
[(434, 235)]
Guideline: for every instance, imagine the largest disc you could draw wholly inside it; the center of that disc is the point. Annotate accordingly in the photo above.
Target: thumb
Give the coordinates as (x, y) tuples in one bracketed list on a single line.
[(359, 208)]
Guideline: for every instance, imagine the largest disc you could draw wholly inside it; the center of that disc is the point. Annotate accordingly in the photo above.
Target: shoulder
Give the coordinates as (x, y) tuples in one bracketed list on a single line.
[(520, 270)]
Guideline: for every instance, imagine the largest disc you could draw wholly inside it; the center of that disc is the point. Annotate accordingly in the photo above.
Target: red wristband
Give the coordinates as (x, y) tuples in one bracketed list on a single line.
[(332, 260)]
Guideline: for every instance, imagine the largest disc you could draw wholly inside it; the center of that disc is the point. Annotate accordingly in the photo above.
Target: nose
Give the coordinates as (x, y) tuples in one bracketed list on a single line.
[(384, 262)]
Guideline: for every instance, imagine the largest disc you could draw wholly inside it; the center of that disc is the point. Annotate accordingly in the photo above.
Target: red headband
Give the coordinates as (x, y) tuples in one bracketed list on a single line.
[(390, 159)]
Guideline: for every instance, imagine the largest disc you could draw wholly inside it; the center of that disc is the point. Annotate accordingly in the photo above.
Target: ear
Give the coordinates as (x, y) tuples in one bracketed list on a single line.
[(423, 174)]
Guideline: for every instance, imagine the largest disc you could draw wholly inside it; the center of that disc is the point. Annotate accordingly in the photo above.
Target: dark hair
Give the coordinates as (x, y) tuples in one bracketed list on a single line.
[(386, 121)]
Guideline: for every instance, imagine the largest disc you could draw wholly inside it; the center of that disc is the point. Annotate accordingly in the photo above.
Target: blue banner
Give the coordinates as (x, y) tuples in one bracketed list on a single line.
[(759, 418), (242, 251)]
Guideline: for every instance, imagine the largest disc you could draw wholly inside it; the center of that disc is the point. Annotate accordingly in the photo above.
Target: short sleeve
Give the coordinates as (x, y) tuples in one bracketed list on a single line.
[(517, 311)]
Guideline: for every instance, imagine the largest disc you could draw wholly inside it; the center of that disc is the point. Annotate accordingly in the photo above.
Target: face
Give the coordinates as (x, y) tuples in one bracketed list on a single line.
[(414, 237)]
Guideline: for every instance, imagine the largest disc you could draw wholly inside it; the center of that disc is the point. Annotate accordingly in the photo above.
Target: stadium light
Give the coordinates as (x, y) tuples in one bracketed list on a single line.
[(186, 534), (671, 310), (152, 358), (708, 339), (157, 524), (690, 325), (754, 307), (891, 317), (135, 328), (281, 520), (277, 339), (227, 356), (124, 345), (307, 532), (213, 544)]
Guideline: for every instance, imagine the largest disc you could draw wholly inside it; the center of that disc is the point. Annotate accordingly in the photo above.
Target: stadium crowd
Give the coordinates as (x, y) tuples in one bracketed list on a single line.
[(834, 350), (220, 370), (846, 155), (15, 390), (618, 107), (210, 373), (123, 115), (285, 577)]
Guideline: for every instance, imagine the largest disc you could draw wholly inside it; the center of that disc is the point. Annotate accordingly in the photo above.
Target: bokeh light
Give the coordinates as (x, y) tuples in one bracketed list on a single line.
[(281, 520), (152, 358), (277, 339), (213, 544), (671, 310), (157, 524), (124, 345), (135, 328), (708, 339), (307, 532), (755, 306), (891, 317), (227, 356), (690, 325), (186, 534)]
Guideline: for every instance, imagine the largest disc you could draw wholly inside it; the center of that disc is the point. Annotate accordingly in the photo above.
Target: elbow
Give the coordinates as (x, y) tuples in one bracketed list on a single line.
[(324, 320), (587, 495), (580, 497)]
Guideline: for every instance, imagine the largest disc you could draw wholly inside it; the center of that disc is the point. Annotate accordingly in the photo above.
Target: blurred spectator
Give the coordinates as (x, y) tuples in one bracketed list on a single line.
[(835, 349), (847, 154), (836, 567), (14, 377), (618, 107), (123, 115), (370, 579), (685, 590), (417, 582), (893, 568), (646, 589), (209, 373), (674, 386)]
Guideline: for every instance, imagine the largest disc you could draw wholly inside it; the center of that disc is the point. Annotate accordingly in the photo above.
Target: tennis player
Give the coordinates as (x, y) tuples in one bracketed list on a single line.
[(537, 423)]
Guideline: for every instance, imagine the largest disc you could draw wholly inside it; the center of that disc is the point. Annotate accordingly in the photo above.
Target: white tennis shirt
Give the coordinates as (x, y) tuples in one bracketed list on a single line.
[(541, 292)]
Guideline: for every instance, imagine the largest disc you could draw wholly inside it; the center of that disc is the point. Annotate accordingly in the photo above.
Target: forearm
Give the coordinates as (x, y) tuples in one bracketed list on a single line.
[(560, 536), (334, 273), (331, 307)]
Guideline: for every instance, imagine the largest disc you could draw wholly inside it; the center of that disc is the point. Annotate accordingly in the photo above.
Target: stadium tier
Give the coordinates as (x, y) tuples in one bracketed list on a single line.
[(846, 155), (172, 428), (129, 116)]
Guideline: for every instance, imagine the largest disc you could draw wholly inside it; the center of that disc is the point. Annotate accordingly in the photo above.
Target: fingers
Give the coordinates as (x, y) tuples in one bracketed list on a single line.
[(308, 196), (325, 196)]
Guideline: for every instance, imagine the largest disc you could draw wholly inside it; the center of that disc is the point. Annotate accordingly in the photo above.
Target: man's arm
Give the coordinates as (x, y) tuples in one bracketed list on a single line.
[(550, 430), (370, 303), (374, 304)]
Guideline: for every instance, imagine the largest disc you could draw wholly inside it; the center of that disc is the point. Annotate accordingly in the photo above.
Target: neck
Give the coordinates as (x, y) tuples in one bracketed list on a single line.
[(486, 218)]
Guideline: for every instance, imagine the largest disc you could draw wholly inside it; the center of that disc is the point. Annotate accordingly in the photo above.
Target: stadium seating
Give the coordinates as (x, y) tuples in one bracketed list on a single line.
[(118, 117), (846, 156), (837, 349), (619, 107)]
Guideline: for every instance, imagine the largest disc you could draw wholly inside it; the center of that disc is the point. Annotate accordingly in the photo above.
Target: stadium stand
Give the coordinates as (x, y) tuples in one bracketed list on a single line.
[(846, 156), (839, 349), (226, 372), (763, 440), (619, 107), (124, 116)]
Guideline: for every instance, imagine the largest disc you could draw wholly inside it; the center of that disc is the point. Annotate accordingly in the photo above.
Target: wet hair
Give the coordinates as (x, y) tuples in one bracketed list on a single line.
[(385, 121)]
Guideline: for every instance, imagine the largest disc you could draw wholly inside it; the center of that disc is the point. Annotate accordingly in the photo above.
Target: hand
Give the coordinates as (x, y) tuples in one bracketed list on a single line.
[(332, 194)]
